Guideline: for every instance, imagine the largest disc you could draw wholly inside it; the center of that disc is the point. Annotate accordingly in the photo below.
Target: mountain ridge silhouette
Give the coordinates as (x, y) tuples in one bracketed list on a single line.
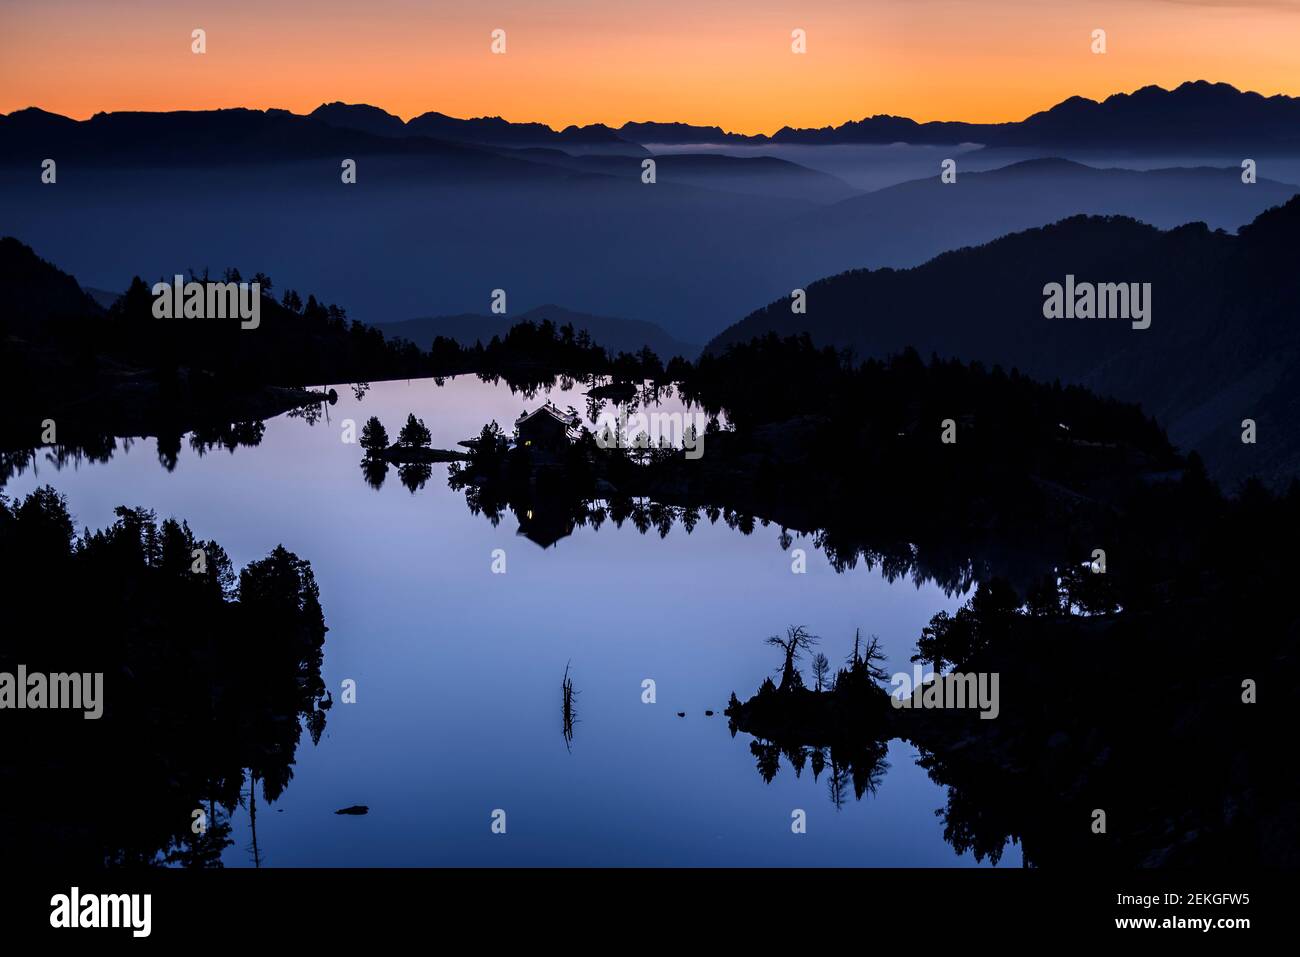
[(1196, 114), (1222, 347)]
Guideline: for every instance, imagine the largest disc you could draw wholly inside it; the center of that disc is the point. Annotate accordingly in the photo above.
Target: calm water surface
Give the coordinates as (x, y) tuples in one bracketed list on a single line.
[(458, 670)]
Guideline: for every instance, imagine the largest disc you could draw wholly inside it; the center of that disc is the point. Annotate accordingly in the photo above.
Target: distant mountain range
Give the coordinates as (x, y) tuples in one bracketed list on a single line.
[(616, 335), (488, 149), (1195, 116), (765, 175), (205, 137), (483, 131), (909, 223), (1223, 344), (428, 236)]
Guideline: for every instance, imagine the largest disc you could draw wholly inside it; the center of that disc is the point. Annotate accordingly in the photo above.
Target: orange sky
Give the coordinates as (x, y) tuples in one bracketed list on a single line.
[(725, 62)]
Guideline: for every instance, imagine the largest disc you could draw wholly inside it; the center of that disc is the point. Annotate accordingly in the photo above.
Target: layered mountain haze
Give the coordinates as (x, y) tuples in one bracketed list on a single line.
[(421, 235), (1222, 345), (849, 326), (446, 210), (906, 224), (752, 175)]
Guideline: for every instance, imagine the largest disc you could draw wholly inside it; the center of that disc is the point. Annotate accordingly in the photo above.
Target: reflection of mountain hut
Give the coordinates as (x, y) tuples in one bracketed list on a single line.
[(544, 526), (545, 428)]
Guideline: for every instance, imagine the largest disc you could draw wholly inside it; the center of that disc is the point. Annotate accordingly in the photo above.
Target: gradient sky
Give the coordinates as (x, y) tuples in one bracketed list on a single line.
[(725, 62)]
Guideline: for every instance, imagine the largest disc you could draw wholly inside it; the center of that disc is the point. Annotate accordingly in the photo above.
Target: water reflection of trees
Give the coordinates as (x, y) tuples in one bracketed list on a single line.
[(547, 508), (855, 768), (229, 437), (210, 677), (1130, 691), (1017, 494), (99, 449), (848, 454)]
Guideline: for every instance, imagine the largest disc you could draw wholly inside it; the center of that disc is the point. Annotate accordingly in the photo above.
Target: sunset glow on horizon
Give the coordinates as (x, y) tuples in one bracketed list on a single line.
[(726, 62)]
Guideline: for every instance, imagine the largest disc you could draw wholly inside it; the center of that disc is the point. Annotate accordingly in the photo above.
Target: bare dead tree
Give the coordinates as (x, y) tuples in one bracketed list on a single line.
[(874, 658), (796, 642)]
